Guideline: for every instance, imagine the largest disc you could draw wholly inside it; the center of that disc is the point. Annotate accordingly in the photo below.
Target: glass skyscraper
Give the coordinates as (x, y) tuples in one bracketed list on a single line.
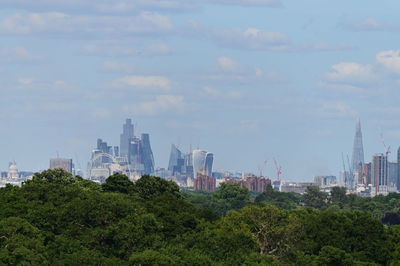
[(202, 163), (125, 138), (358, 150)]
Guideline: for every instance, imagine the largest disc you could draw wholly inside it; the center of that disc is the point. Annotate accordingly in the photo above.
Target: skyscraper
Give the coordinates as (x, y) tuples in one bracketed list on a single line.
[(59, 163), (209, 164), (125, 138), (202, 163), (147, 155), (379, 172), (358, 149), (174, 159), (199, 162)]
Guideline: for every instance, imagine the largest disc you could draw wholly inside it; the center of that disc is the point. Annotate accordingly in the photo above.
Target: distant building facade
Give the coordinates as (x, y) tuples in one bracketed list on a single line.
[(379, 173), (60, 163), (204, 182), (125, 138), (325, 181)]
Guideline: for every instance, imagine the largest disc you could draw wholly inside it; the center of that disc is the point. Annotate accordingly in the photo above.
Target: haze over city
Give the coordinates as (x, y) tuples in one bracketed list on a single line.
[(237, 78)]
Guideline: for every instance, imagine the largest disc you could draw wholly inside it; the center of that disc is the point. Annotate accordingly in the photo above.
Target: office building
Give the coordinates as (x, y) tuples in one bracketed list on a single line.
[(147, 155), (202, 163), (60, 163), (126, 137)]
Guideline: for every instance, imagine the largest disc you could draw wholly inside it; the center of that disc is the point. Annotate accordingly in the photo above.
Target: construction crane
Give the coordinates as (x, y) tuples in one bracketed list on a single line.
[(387, 148), (351, 173), (344, 171), (278, 170), (262, 167)]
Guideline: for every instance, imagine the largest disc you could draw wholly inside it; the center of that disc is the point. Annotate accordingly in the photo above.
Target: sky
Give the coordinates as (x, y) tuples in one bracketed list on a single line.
[(249, 80)]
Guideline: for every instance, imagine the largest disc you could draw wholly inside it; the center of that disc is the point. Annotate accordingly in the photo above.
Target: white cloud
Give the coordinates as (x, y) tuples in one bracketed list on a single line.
[(122, 49), (17, 54), (372, 24), (390, 60), (368, 24), (350, 72), (219, 94), (117, 67), (153, 83), (160, 105), (228, 70), (267, 3), (252, 39), (128, 6), (61, 23), (337, 109), (227, 64)]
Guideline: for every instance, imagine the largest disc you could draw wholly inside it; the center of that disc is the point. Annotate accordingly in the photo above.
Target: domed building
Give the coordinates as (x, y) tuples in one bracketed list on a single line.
[(13, 171)]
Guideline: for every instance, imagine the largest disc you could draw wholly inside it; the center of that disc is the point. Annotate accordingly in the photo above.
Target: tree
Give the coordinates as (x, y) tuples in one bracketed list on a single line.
[(231, 196), (54, 176), (315, 198), (150, 186), (20, 243), (338, 195), (331, 256), (150, 258), (276, 232), (118, 183)]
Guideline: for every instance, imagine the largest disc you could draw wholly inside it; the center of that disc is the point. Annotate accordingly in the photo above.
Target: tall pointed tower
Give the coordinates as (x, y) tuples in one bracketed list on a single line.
[(358, 149)]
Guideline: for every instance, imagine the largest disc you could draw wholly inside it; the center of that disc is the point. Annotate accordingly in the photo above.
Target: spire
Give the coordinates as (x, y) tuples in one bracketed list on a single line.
[(358, 148)]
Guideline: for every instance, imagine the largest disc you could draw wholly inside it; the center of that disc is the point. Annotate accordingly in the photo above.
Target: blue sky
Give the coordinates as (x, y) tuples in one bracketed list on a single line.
[(246, 79)]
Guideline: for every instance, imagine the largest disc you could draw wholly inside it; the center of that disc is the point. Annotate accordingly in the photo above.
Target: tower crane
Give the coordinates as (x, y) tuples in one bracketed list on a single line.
[(387, 148), (262, 167), (278, 170)]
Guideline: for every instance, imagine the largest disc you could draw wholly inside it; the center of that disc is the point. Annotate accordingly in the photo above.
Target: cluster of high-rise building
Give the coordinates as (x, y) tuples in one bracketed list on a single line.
[(380, 176), (134, 156)]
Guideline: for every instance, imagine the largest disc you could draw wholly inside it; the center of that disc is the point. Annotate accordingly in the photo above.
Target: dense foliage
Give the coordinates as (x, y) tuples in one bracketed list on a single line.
[(59, 219)]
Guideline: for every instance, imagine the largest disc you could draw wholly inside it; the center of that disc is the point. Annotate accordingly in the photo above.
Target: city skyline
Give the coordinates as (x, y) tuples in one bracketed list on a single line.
[(193, 74), (176, 155)]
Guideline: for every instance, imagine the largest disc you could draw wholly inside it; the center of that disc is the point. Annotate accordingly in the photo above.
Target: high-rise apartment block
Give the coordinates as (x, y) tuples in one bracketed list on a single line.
[(379, 173), (204, 182)]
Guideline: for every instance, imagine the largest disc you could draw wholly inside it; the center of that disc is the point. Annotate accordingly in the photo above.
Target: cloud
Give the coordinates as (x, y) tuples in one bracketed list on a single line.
[(254, 39), (336, 110), (116, 67), (152, 83), (61, 23), (123, 49), (219, 94), (228, 70), (18, 54), (129, 6), (371, 24), (160, 105), (350, 72), (390, 60), (265, 3), (251, 39), (227, 64)]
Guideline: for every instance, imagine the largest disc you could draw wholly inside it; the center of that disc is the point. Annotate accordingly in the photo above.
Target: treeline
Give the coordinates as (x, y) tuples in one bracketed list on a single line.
[(60, 219)]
